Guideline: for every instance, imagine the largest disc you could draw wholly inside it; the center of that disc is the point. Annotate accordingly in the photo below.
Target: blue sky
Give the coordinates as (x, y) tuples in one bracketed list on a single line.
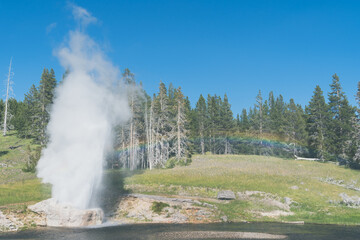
[(216, 47)]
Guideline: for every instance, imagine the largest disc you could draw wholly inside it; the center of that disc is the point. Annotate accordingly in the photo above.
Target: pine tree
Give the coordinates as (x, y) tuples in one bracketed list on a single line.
[(13, 111), (227, 118), (317, 117), (295, 128), (272, 114), (201, 119), (358, 98), (339, 126), (136, 129), (135, 121), (244, 121), (164, 129), (32, 111), (211, 109), (46, 96), (214, 104), (227, 122), (180, 145), (356, 132), (190, 126), (260, 114), (279, 116)]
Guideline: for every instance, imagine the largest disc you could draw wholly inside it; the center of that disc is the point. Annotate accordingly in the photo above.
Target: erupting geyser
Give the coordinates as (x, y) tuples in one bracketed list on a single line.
[(88, 103)]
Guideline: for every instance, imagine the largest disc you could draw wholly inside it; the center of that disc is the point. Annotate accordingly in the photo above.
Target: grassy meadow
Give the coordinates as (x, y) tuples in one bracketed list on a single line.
[(315, 201), (302, 181)]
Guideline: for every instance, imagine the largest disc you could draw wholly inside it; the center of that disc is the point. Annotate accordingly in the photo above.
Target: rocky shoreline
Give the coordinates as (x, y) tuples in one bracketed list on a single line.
[(141, 208)]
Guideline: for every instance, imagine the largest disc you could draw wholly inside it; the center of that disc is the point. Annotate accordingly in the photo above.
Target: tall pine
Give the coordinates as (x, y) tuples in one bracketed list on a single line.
[(201, 119), (356, 135), (340, 124), (46, 97), (317, 117)]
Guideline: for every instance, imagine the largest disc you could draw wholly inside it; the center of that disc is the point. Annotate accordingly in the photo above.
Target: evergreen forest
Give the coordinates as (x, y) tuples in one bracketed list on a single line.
[(164, 129)]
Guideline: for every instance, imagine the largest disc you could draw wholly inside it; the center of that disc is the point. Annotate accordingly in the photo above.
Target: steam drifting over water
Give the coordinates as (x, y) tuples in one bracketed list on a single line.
[(88, 103)]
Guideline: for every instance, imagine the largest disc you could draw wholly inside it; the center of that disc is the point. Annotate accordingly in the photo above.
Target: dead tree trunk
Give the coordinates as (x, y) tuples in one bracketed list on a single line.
[(7, 98)]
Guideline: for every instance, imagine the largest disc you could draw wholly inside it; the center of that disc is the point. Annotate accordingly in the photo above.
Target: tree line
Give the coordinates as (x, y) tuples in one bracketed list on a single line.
[(164, 130)]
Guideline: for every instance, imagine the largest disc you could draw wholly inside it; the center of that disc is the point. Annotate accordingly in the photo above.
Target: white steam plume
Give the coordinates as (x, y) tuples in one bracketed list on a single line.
[(88, 103)]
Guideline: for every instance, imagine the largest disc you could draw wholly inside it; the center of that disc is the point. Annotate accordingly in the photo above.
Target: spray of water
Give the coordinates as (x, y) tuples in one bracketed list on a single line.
[(88, 103)]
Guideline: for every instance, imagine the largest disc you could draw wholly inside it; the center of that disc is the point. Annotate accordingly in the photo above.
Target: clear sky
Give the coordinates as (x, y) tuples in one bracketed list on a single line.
[(216, 47)]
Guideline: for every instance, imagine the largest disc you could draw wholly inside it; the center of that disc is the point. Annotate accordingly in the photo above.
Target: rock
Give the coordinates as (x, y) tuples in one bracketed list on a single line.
[(276, 213), (207, 205), (3, 165), (169, 210), (295, 222), (349, 201), (180, 218), (226, 195), (64, 215), (294, 187), (136, 208), (224, 218), (287, 201), (259, 194), (202, 213), (6, 224)]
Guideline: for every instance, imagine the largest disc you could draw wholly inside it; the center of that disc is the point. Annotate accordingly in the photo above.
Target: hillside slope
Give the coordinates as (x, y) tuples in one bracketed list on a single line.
[(267, 188), (17, 186)]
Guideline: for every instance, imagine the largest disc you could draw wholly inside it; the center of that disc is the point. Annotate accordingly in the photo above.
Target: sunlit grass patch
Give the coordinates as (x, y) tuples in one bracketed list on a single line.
[(26, 191)]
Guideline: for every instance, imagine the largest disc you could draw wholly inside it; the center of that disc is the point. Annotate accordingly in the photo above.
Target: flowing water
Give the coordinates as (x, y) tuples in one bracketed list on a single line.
[(171, 231)]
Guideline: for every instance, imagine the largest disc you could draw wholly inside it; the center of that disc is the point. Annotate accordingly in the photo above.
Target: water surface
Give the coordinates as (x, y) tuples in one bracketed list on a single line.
[(156, 231)]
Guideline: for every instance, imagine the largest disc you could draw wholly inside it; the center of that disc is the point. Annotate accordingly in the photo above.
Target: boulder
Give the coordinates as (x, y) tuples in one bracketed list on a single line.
[(64, 215), (224, 218), (226, 195)]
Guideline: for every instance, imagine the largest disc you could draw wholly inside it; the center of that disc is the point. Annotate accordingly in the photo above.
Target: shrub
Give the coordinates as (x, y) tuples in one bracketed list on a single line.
[(172, 162), (32, 159), (157, 207)]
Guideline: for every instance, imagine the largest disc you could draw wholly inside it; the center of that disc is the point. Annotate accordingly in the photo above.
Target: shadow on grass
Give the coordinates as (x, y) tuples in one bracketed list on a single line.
[(112, 190), (2, 153), (10, 133)]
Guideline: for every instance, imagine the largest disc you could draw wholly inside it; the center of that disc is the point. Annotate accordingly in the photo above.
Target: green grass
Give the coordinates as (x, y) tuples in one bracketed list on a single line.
[(210, 173), (24, 192), (17, 186), (13, 156)]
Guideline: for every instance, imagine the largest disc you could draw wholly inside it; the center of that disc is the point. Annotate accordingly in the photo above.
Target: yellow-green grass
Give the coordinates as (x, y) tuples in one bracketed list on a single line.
[(28, 191), (17, 186), (13, 155), (268, 174)]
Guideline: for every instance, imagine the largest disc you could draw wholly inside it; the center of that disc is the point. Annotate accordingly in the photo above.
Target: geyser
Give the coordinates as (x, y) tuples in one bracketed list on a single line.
[(88, 103)]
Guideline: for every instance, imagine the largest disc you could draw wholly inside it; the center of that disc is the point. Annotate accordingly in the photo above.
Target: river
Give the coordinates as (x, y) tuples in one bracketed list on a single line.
[(192, 231)]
